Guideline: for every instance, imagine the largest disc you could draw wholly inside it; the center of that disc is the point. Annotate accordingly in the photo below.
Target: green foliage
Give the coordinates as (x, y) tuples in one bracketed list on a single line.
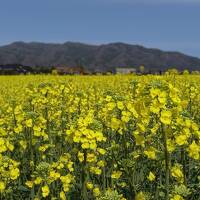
[(172, 71), (54, 72), (186, 72), (110, 195)]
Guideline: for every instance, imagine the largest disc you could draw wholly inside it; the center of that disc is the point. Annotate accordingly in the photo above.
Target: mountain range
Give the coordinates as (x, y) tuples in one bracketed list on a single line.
[(105, 57)]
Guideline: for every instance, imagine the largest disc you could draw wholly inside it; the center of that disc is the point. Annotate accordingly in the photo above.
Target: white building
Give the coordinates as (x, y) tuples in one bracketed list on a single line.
[(124, 70)]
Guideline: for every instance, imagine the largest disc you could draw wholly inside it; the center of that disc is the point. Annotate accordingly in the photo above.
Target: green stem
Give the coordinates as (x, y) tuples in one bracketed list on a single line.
[(167, 163), (104, 179), (84, 179), (183, 156)]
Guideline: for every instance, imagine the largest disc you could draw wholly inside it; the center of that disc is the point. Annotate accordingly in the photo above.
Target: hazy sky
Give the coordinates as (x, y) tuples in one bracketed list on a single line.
[(165, 24)]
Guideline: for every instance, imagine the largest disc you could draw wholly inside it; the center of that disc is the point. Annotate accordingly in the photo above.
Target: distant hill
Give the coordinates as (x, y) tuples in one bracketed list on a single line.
[(95, 57)]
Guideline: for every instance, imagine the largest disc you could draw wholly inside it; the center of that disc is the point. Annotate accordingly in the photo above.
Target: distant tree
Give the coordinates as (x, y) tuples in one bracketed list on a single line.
[(141, 68), (108, 73), (54, 72), (166, 73), (186, 72), (172, 71), (195, 72)]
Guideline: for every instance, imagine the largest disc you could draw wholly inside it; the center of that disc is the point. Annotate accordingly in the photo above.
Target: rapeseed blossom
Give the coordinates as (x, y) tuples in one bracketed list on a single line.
[(88, 136)]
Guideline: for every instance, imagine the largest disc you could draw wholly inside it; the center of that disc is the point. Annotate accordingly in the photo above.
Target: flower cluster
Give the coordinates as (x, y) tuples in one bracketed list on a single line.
[(100, 137)]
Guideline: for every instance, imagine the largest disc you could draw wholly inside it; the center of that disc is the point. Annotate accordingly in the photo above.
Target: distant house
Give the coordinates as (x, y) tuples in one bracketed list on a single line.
[(69, 70), (124, 70)]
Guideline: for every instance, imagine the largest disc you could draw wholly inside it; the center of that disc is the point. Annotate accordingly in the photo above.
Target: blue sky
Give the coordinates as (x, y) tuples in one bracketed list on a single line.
[(166, 24)]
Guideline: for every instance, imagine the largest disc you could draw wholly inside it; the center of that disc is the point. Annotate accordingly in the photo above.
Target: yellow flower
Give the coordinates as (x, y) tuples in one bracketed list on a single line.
[(151, 176), (3, 147), (91, 157), (62, 196), (45, 191), (120, 105), (162, 97), (108, 98), (9, 146), (140, 196), (154, 129), (85, 145), (122, 184), (89, 185), (70, 166), (93, 145), (60, 166), (141, 127), (170, 145), (38, 180), (177, 173), (177, 197), (101, 151), (101, 163), (154, 109), (97, 171), (139, 140), (23, 144), (188, 123), (166, 117), (194, 150), (14, 173), (29, 123), (115, 123), (150, 153), (131, 108), (96, 191), (116, 174), (2, 186), (54, 175), (111, 106), (195, 126), (154, 92), (81, 156), (29, 184), (181, 139), (125, 118)]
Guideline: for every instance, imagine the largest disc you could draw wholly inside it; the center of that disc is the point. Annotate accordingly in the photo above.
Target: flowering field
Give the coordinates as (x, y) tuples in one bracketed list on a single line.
[(100, 137)]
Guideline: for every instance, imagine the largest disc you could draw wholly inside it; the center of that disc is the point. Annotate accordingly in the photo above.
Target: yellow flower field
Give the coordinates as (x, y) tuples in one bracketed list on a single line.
[(100, 137)]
